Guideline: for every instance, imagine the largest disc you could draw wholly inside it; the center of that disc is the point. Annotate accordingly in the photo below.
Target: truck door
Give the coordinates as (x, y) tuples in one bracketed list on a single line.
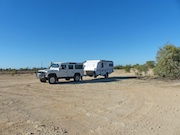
[(70, 72), (63, 70)]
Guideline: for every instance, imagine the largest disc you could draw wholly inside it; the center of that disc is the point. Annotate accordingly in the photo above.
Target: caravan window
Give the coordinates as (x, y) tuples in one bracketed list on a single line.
[(102, 65), (111, 65)]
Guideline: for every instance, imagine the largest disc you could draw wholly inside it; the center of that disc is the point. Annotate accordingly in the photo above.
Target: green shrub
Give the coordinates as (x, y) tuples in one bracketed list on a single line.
[(128, 68), (168, 62), (14, 72), (140, 70)]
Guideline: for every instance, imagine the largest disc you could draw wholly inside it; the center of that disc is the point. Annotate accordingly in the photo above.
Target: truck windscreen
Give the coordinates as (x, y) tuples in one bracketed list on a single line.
[(54, 65)]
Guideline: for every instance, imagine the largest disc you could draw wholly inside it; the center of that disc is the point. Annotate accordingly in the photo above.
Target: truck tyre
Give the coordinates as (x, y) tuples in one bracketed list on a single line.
[(106, 75), (43, 80), (77, 77), (52, 79)]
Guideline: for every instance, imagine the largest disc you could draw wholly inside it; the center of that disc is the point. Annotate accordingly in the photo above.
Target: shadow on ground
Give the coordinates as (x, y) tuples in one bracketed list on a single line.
[(99, 80)]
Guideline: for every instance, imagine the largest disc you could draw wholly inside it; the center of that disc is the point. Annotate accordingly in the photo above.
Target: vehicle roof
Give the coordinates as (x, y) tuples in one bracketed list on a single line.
[(67, 63), (95, 61)]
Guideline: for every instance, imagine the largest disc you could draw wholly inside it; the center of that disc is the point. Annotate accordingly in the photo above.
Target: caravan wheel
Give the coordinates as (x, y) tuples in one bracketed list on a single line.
[(106, 75), (95, 76)]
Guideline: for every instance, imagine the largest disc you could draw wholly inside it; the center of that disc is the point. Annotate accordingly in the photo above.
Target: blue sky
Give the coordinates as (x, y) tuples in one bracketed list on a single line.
[(35, 32)]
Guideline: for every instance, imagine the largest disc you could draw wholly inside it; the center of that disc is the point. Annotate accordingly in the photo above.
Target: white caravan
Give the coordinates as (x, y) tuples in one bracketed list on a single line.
[(98, 67)]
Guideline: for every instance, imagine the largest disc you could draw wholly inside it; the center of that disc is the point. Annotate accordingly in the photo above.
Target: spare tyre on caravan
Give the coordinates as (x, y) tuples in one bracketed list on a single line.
[(98, 67)]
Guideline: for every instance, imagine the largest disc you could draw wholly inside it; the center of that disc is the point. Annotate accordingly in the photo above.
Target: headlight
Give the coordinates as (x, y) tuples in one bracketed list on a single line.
[(41, 74)]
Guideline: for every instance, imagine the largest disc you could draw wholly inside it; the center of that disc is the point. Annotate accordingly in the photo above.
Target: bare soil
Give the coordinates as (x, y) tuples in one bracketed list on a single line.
[(119, 105)]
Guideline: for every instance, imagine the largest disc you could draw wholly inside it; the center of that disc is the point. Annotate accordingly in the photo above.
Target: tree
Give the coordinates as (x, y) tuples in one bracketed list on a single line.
[(168, 62), (119, 67), (150, 64), (135, 65)]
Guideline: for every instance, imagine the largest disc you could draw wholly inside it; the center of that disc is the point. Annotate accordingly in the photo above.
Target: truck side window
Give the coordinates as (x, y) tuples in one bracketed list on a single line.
[(70, 66), (78, 66), (63, 66)]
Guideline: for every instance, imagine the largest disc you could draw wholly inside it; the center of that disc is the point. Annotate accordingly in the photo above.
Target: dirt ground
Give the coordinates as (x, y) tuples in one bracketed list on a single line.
[(120, 105)]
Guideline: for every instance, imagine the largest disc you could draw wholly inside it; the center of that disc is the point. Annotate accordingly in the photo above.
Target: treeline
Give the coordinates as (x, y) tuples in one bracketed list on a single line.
[(167, 64), (149, 64), (138, 69), (14, 71), (21, 69)]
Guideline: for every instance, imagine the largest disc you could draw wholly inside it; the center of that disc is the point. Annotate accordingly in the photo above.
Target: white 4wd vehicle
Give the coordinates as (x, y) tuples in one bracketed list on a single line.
[(60, 70)]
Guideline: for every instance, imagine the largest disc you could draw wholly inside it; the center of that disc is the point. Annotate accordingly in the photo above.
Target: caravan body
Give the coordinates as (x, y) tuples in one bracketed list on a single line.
[(98, 67)]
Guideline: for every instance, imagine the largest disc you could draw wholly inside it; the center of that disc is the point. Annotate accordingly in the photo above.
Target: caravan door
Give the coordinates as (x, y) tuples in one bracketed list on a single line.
[(103, 68)]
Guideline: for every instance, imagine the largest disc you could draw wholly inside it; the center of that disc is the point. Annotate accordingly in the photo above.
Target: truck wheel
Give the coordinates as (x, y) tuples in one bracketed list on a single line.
[(52, 79), (106, 75), (77, 77), (43, 80)]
